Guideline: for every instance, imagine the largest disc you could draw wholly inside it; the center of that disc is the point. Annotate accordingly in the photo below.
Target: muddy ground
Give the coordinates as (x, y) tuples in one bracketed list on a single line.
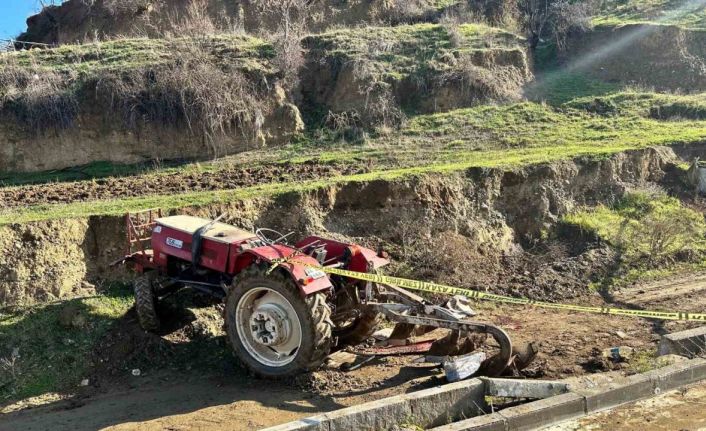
[(228, 399), (171, 183)]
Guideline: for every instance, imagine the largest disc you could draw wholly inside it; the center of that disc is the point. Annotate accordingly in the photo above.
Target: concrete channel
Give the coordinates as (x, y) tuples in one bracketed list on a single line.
[(463, 406)]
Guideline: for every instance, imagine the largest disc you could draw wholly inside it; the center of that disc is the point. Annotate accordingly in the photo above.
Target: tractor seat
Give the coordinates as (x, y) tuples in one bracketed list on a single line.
[(219, 232)]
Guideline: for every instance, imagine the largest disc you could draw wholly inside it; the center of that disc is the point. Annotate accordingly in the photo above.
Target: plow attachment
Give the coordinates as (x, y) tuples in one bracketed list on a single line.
[(416, 316)]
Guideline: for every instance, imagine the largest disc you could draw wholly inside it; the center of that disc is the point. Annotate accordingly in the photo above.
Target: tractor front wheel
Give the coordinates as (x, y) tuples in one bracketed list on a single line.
[(273, 329), (146, 302)]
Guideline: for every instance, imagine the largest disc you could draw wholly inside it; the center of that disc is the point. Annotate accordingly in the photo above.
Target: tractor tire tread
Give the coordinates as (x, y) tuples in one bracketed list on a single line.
[(318, 310), (145, 303)]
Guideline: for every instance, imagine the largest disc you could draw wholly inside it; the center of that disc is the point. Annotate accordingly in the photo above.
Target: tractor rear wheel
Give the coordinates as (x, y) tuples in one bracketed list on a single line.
[(273, 329), (146, 302)]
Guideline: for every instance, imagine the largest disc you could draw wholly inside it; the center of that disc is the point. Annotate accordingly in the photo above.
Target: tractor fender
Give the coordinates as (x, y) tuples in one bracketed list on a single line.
[(309, 280)]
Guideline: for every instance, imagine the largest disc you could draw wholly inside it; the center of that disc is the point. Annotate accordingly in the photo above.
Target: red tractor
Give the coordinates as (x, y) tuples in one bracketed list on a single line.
[(283, 318)]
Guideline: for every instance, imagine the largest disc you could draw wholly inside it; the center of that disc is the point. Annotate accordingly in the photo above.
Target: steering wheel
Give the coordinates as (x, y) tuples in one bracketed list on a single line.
[(265, 235)]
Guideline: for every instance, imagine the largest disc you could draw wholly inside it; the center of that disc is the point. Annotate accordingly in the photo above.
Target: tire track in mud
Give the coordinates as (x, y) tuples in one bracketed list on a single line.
[(170, 183)]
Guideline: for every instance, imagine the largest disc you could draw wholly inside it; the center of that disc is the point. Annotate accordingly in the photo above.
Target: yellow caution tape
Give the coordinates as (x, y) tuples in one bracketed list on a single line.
[(425, 286)]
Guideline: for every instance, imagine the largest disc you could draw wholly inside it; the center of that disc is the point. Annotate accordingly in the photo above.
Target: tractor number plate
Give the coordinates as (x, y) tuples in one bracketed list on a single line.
[(176, 243), (314, 273)]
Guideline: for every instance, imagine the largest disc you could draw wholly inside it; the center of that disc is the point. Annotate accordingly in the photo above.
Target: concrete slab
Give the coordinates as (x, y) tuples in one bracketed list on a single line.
[(373, 416), (680, 374), (314, 423), (514, 388), (619, 392), (544, 412), (690, 343), (438, 406), (492, 422)]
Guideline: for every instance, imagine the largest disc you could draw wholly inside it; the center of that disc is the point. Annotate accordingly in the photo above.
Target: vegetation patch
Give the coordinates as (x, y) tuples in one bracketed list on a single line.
[(684, 13), (72, 345), (653, 105), (45, 348), (405, 50), (207, 85), (373, 72), (651, 231)]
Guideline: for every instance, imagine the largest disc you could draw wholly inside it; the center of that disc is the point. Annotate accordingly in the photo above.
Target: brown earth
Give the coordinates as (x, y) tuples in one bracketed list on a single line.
[(228, 399), (480, 228), (172, 183), (98, 134)]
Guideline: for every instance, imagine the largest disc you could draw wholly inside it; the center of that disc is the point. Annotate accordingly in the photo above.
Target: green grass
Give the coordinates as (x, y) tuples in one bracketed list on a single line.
[(558, 87), (684, 13), (77, 173), (622, 224), (49, 356), (637, 103), (655, 235), (122, 54)]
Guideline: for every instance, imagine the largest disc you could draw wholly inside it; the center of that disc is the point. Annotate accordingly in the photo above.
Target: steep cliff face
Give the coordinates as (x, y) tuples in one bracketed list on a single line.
[(95, 137), (131, 100), (423, 68), (478, 218)]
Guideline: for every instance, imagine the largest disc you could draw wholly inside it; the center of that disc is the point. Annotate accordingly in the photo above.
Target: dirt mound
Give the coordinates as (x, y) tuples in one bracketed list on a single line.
[(132, 100), (42, 262), (364, 76)]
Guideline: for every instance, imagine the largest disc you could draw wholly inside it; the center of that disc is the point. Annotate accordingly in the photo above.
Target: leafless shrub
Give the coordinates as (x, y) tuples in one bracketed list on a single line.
[(695, 61), (381, 108), (453, 30), (404, 11), (197, 20), (116, 7), (665, 233), (501, 83), (40, 100), (567, 17), (554, 17), (194, 22), (292, 18), (191, 92), (347, 125)]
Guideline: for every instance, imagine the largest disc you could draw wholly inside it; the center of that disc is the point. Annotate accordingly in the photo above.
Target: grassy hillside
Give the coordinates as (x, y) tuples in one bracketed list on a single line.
[(125, 54), (484, 136), (683, 13)]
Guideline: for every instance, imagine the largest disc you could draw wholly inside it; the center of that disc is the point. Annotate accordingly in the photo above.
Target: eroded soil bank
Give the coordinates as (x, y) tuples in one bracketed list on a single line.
[(480, 228), (665, 57)]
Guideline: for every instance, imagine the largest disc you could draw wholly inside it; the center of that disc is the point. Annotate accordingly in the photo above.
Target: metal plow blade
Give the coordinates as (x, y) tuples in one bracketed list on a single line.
[(415, 316)]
